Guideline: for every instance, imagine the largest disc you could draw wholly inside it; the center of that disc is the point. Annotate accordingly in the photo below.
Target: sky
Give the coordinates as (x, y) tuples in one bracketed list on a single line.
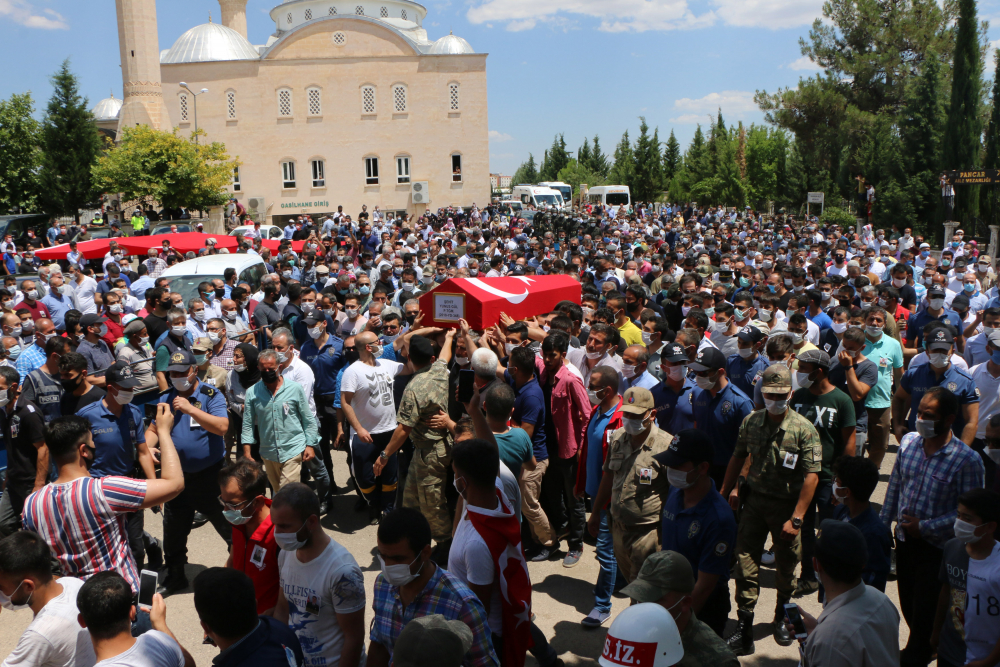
[(577, 67)]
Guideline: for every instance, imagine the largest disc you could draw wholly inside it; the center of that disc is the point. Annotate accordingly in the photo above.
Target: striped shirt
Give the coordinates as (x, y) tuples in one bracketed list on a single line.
[(83, 522), (928, 488)]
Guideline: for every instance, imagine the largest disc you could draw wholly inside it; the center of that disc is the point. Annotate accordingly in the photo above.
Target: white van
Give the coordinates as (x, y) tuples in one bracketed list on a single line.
[(564, 189), (614, 196), (537, 196), (186, 276)]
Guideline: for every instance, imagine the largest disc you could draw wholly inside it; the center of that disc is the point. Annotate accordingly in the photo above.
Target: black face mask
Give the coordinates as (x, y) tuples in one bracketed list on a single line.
[(269, 376), (410, 318), (220, 292), (72, 384), (351, 354)]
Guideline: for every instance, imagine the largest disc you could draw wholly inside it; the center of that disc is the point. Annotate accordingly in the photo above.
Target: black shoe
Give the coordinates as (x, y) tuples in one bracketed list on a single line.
[(324, 507), (374, 518), (805, 587), (360, 505), (542, 555), (175, 582), (154, 555), (741, 641), (781, 634), (199, 520)]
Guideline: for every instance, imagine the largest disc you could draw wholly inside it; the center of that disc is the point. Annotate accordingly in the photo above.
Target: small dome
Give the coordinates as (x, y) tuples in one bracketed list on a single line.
[(107, 109), (450, 45), (207, 43)]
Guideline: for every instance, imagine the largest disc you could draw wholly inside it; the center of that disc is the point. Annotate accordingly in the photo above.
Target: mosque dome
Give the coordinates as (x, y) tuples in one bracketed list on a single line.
[(451, 45), (207, 43), (107, 109)]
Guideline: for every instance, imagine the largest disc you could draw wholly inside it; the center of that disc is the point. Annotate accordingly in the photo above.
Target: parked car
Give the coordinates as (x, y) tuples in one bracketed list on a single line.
[(186, 276), (269, 231)]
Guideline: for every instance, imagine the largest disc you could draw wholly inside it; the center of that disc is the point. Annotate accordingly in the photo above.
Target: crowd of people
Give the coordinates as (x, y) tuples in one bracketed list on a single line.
[(721, 397)]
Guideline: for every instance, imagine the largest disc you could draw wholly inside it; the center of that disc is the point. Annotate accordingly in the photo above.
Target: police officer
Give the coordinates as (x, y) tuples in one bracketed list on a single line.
[(786, 459), (719, 407), (745, 367), (698, 523), (324, 354), (672, 397), (638, 484), (200, 422)]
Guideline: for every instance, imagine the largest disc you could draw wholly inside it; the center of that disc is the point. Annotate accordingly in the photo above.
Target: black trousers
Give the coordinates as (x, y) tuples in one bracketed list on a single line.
[(563, 504), (715, 612), (327, 431), (820, 508), (917, 566), (378, 492), (200, 494)]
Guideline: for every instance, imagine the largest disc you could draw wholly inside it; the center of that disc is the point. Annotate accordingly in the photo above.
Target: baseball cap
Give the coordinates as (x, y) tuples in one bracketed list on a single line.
[(673, 352), (181, 360), (429, 270), (993, 335), (120, 375), (432, 641), (314, 318), (708, 359), (941, 339), (842, 542), (688, 445), (777, 379), (635, 400), (815, 356), (663, 572), (91, 320), (750, 334), (202, 344), (322, 268), (935, 292)]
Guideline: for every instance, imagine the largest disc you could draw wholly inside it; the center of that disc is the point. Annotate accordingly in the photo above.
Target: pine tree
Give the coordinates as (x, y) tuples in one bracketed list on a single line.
[(70, 144), (583, 154), (962, 131), (526, 173), (671, 158), (646, 162), (991, 158), (922, 127), (598, 160), (623, 171)]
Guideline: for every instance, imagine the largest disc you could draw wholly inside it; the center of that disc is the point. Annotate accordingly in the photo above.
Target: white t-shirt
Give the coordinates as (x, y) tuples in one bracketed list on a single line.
[(317, 591), (469, 559), (982, 612), (372, 387), (989, 396), (55, 638), (151, 649), (85, 292)]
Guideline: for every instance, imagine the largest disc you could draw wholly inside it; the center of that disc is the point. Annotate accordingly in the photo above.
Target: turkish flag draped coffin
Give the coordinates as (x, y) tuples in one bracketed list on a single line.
[(481, 300)]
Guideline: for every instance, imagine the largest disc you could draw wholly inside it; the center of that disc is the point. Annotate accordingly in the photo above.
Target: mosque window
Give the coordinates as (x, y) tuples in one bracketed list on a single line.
[(339, 38), (288, 19), (284, 102), (236, 180), (231, 104), (371, 171), (453, 96), (333, 11), (402, 169), (318, 169), (309, 15), (402, 14), (288, 175), (359, 10), (315, 101), (399, 98), (456, 168), (384, 13), (368, 100), (184, 107)]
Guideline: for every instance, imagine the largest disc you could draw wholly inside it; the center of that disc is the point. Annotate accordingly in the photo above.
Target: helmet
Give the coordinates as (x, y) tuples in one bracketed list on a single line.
[(644, 635)]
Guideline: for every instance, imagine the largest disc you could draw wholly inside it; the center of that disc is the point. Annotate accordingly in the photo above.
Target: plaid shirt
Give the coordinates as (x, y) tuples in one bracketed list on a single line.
[(224, 359), (928, 488), (444, 594), (29, 360), (156, 266)]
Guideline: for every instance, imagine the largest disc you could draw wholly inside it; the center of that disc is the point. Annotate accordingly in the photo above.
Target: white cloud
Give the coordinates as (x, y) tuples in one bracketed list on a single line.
[(22, 12), (732, 102), (804, 64), (645, 15), (499, 137)]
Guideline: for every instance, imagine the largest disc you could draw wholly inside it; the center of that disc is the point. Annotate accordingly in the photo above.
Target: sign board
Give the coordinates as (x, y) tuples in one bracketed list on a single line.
[(449, 307), (815, 197), (972, 177)]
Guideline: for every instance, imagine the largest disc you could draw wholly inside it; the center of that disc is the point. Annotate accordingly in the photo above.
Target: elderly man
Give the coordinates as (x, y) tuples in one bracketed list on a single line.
[(635, 369), (154, 264), (222, 346), (34, 356), (176, 338), (59, 301), (235, 324), (137, 348)]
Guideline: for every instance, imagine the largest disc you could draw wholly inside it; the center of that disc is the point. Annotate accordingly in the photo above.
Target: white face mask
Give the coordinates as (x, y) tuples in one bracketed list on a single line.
[(898, 282), (873, 331), (628, 371), (966, 532), (837, 488), (676, 373), (399, 575), (706, 383), (462, 361), (230, 315), (803, 380), (745, 352), (290, 541), (315, 332), (839, 327), (595, 399), (685, 310), (720, 326), (647, 338), (178, 331), (123, 397), (937, 304), (181, 384), (5, 601), (796, 337), (764, 315), (633, 425), (938, 359), (776, 407), (351, 313), (679, 479)]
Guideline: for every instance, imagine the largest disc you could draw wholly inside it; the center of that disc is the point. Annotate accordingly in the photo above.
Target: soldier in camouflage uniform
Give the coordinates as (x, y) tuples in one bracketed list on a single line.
[(667, 579), (786, 455), (638, 484)]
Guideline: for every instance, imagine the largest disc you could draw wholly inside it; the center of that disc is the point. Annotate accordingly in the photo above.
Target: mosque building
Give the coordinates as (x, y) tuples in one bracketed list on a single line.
[(347, 103)]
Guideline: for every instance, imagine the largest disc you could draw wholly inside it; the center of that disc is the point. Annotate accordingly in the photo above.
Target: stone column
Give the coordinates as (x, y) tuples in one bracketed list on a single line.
[(140, 62), (949, 230), (994, 238)]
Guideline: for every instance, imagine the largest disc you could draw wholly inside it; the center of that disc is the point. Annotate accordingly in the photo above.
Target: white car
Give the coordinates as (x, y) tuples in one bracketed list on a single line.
[(269, 231), (186, 276)]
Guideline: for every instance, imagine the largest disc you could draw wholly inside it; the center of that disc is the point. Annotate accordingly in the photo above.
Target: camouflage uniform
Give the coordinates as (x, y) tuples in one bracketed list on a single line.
[(638, 489), (782, 454), (704, 648), (427, 393)]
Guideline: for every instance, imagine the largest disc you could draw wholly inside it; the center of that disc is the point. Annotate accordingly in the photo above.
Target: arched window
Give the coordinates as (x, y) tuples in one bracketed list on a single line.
[(399, 98), (231, 104), (183, 98), (367, 100), (285, 102), (453, 98), (315, 99)]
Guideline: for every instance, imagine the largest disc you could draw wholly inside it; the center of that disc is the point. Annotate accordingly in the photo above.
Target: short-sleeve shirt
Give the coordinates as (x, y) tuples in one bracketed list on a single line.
[(674, 411), (639, 485), (782, 454), (55, 638), (954, 570), (887, 354), (151, 649), (515, 448), (372, 389), (196, 447), (828, 413), (745, 374), (917, 381), (982, 609), (115, 438), (704, 534), (256, 556), (330, 584), (530, 408), (915, 325), (22, 428), (424, 397), (720, 417), (868, 374)]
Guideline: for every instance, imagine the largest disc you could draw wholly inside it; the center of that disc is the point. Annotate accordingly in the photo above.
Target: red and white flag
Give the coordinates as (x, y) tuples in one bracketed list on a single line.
[(501, 531)]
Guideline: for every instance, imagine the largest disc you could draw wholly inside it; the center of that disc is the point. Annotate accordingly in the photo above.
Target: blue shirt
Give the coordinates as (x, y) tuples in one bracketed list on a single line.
[(917, 381), (529, 408), (325, 363), (115, 438), (720, 418), (58, 305), (196, 447), (744, 373), (704, 534), (915, 324), (878, 537), (822, 320), (674, 412), (595, 448), (646, 381), (140, 286)]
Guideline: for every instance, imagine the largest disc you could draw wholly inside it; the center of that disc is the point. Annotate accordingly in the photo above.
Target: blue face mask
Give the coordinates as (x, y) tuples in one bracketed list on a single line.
[(343, 292), (744, 282), (365, 289), (925, 254), (772, 288), (955, 244), (969, 287), (945, 262)]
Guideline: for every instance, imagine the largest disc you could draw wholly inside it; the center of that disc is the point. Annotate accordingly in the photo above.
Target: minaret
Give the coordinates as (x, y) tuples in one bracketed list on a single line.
[(234, 15), (140, 53)]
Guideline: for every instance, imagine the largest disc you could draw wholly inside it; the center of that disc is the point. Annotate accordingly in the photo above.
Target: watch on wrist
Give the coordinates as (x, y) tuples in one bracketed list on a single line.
[(382, 456), (796, 522)]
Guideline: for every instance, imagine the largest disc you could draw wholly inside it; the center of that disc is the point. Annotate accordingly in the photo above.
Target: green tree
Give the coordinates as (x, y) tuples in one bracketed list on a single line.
[(575, 173), (154, 166), (598, 160), (583, 153), (962, 131), (70, 144), (623, 171), (20, 135), (671, 157), (991, 157), (526, 173), (922, 129), (556, 157), (647, 159)]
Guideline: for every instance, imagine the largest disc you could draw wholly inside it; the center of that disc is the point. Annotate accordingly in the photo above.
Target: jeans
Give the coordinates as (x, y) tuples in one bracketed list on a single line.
[(563, 500), (328, 432), (605, 585), (820, 508), (317, 470), (200, 494)]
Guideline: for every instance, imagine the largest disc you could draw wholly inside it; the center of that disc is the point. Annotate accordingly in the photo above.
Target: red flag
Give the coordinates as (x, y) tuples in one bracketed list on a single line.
[(501, 531)]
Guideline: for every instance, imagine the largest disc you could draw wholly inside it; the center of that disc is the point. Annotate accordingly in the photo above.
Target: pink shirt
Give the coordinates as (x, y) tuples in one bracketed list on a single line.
[(571, 410)]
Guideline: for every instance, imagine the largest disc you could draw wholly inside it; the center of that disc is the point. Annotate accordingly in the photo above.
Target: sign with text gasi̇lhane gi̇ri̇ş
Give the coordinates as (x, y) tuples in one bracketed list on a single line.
[(305, 204)]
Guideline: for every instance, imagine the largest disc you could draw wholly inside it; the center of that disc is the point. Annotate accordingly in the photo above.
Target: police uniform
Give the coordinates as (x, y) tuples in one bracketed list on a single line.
[(639, 486), (916, 382), (425, 394), (720, 415), (782, 455), (674, 411)]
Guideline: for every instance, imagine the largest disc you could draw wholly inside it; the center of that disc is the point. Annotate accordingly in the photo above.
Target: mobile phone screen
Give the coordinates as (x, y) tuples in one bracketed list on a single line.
[(465, 385), (795, 618), (147, 588)]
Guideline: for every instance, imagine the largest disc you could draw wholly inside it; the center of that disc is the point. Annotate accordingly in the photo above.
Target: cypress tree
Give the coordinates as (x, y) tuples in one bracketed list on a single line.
[(962, 131), (671, 157), (921, 127)]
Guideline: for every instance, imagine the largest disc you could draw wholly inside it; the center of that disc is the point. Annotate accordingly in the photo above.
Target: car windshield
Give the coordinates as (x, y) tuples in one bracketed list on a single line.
[(616, 198), (165, 229), (529, 216), (565, 191), (100, 232), (187, 286), (550, 200)]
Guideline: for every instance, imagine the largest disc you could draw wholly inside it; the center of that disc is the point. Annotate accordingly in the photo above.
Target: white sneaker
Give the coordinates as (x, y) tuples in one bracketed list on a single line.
[(595, 619), (767, 558)]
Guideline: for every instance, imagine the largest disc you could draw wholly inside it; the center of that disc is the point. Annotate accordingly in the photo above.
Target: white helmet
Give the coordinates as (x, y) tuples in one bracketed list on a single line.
[(644, 635)]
